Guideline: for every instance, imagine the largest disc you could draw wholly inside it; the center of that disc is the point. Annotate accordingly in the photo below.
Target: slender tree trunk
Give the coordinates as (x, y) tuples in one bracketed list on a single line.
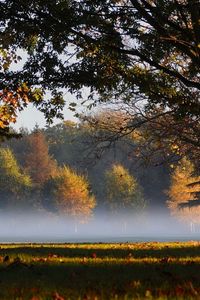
[(192, 227), (124, 226), (75, 227)]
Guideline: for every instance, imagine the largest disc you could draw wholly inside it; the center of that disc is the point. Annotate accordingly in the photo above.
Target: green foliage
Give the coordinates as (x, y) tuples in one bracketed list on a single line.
[(13, 182), (65, 143), (123, 191), (131, 51), (69, 144)]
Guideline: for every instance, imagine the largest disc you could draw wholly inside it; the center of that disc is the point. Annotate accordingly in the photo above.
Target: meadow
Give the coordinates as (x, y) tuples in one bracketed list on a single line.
[(148, 270)]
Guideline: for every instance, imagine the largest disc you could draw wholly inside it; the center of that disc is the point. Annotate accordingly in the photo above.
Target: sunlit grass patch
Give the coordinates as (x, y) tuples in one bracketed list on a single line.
[(100, 271)]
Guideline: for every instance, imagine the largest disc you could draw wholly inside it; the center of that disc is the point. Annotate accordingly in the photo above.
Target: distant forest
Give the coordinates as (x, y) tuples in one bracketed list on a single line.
[(58, 169)]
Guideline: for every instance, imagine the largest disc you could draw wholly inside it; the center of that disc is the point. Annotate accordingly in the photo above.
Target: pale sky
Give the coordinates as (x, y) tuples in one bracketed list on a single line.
[(31, 116)]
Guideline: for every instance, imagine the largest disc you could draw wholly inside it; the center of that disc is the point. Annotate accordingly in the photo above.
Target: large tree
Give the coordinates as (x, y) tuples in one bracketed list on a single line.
[(144, 53), (157, 138)]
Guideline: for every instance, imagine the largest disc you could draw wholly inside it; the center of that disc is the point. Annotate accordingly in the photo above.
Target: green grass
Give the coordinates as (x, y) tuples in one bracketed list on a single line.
[(100, 271)]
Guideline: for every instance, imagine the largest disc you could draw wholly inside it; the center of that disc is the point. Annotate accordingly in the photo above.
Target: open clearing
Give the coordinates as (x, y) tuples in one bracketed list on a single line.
[(149, 270)]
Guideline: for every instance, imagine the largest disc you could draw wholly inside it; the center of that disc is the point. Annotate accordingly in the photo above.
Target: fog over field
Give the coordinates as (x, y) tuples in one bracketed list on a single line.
[(50, 176), (42, 227)]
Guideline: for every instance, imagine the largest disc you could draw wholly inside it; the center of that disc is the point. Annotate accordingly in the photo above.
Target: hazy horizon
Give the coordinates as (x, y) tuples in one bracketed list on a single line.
[(45, 227)]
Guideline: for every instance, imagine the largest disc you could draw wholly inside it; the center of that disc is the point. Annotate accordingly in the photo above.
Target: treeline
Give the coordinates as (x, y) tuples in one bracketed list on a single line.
[(43, 153), (54, 169)]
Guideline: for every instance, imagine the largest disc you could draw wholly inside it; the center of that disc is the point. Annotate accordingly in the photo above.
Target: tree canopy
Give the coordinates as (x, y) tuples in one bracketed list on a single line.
[(123, 191), (71, 195), (37, 161), (142, 53)]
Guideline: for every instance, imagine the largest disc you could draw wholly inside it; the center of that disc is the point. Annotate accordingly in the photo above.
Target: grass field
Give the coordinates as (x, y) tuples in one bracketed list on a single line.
[(100, 271)]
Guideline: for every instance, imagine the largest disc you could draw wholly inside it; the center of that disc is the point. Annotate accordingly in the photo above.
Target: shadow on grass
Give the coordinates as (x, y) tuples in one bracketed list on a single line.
[(67, 251), (121, 278)]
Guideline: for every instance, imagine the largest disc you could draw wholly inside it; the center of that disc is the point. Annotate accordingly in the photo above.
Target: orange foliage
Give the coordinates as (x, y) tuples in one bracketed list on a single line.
[(182, 192), (39, 164), (72, 194), (12, 102)]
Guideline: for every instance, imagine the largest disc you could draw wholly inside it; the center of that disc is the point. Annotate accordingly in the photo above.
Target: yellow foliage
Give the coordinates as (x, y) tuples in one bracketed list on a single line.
[(7, 115), (137, 136), (181, 192), (70, 124), (72, 194)]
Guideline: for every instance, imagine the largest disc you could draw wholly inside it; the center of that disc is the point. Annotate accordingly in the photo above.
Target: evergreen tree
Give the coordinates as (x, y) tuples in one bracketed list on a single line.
[(37, 161), (183, 202)]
